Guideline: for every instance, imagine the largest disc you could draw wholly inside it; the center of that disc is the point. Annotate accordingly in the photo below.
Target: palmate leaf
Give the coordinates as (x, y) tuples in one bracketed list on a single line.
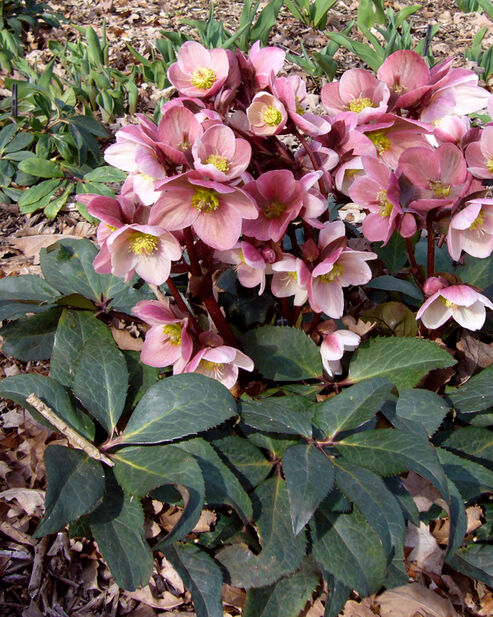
[(31, 338), (282, 353), (201, 575), (123, 546), (474, 441), (475, 395), (278, 414), (140, 469), (352, 407), (401, 360), (178, 406), (23, 294), (347, 546), (475, 561), (309, 478), (282, 552), (101, 381), (469, 477), (423, 407), (287, 597), (67, 471), (246, 459), (338, 595)]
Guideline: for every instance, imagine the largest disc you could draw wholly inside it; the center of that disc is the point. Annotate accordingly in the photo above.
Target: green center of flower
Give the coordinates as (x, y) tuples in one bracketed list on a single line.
[(359, 104), (448, 303), (300, 110), (203, 78), (142, 244), (336, 271), (271, 116), (380, 141), (489, 165), (111, 227), (273, 210), (210, 366), (397, 88), (439, 189), (205, 200), (219, 162), (173, 332), (478, 221), (385, 207)]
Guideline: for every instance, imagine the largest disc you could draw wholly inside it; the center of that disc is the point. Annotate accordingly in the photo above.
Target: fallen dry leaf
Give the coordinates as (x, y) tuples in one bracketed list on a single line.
[(145, 595), (423, 492), (125, 340), (31, 500), (426, 555), (358, 609), (32, 245), (414, 600)]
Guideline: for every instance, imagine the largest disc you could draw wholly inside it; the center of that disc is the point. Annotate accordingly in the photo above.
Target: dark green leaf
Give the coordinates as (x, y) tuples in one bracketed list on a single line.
[(41, 168), (140, 377), (424, 407), (32, 337), (389, 451), (68, 470), (392, 319), (457, 518), (352, 407), (201, 575), (280, 414), (74, 329), (407, 503), (178, 406), (347, 546), (475, 271), (246, 459), (106, 174), (101, 380), (34, 195), (123, 546), (475, 561), (470, 478), (309, 479), (18, 387), (282, 353), (338, 595), (401, 360), (286, 598), (141, 469), (391, 283), (476, 394), (25, 294), (282, 552), (221, 485), (475, 442)]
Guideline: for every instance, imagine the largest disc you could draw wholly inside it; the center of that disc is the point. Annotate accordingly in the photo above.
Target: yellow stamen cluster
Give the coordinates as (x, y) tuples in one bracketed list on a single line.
[(271, 116), (173, 332), (273, 210), (214, 369), (300, 110), (205, 200), (439, 189), (185, 145), (219, 162), (489, 165), (385, 207), (336, 271), (203, 78), (478, 221), (448, 303), (359, 104), (142, 244), (397, 88), (380, 141)]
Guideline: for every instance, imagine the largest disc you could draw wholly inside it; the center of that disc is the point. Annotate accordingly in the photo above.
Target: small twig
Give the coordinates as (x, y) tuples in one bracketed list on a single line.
[(74, 439)]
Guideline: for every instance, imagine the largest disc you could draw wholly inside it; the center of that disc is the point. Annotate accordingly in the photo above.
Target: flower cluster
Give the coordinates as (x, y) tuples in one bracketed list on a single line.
[(214, 183)]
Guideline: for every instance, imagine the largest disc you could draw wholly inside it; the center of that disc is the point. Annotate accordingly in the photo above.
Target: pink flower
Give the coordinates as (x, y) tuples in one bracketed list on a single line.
[(265, 62), (291, 277), (407, 75), (218, 361), (358, 91), (465, 305), (451, 129), (215, 211), (250, 264), (177, 132), (279, 198), (479, 155), (199, 71), (333, 347), (168, 341), (145, 249), (220, 155), (266, 115), (471, 230)]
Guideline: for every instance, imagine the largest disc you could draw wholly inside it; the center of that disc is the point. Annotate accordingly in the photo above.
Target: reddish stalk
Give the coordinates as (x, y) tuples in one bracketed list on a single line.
[(313, 158), (414, 263), (430, 264), (182, 305), (220, 322), (192, 255)]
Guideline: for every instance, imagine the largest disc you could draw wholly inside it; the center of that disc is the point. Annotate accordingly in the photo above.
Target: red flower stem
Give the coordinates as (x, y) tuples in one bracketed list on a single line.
[(192, 255), (286, 311), (315, 322), (220, 321), (313, 158), (181, 305), (430, 266)]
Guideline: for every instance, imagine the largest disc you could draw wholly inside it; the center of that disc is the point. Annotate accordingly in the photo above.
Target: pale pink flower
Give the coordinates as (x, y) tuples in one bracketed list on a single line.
[(291, 91), (168, 341), (218, 361), (250, 264), (479, 155), (326, 158), (314, 203), (199, 71), (407, 75), (471, 230), (279, 199), (215, 211), (347, 172), (291, 277), (219, 155), (359, 92), (333, 347), (265, 62), (465, 305), (145, 249), (177, 132), (266, 115), (451, 129), (122, 153), (439, 177)]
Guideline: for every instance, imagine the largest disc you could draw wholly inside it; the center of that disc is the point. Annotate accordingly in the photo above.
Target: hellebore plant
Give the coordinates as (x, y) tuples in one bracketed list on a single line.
[(289, 349)]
